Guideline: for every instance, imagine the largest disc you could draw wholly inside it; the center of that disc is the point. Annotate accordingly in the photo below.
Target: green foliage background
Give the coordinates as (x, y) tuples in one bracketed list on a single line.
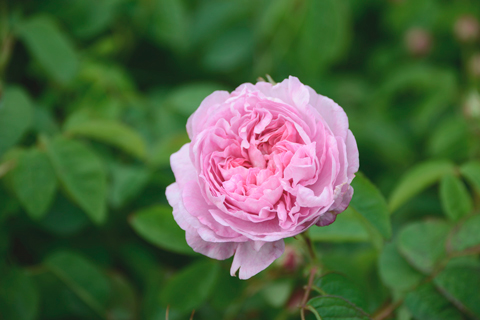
[(95, 95)]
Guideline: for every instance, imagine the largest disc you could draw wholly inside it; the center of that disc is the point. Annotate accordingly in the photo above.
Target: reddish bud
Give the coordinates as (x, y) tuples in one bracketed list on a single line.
[(291, 260), (418, 41), (467, 28)]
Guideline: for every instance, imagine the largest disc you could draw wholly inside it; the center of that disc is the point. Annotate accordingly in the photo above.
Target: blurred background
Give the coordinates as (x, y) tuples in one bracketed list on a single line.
[(95, 95)]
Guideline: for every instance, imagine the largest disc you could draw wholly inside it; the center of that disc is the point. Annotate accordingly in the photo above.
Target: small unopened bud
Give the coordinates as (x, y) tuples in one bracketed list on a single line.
[(471, 106), (295, 300), (418, 41), (467, 28), (474, 65), (291, 260)]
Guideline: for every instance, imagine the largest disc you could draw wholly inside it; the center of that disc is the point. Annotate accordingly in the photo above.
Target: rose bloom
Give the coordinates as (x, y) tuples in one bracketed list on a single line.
[(265, 162)]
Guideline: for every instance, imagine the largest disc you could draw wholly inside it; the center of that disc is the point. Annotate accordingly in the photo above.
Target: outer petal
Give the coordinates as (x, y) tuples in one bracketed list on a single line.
[(215, 250), (250, 261), (182, 166)]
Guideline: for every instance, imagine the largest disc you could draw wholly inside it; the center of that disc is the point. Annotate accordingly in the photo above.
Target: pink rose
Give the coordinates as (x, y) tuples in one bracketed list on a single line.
[(265, 163)]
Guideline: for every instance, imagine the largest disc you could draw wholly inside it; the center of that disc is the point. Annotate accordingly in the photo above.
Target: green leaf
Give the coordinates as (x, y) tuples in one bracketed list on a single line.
[(456, 200), (19, 297), (82, 277), (15, 117), (81, 174), (347, 228), (423, 243), (187, 98), (64, 218), (34, 182), (460, 285), (169, 23), (426, 303), (276, 293), (471, 172), (165, 147), (50, 47), (336, 284), (336, 308), (123, 302), (111, 132), (189, 289), (394, 271), (326, 21), (127, 182), (418, 179), (467, 235), (156, 225), (370, 203)]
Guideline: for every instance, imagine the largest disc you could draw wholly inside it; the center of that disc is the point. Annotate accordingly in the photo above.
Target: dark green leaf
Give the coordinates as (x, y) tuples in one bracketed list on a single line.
[(426, 303), (418, 179), (395, 272), (471, 172), (19, 298), (335, 284), (423, 243), (34, 182), (111, 132), (336, 308), (123, 302), (82, 277), (370, 203), (15, 117), (82, 175), (64, 218), (190, 288), (347, 228), (460, 285), (156, 224), (127, 182), (456, 200), (467, 235), (50, 47)]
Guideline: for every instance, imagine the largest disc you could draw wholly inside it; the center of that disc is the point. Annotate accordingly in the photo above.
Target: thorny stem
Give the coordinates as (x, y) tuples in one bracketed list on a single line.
[(311, 250), (313, 271), (385, 312)]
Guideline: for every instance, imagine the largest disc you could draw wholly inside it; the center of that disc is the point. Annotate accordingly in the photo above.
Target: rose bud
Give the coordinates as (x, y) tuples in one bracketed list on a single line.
[(418, 42), (471, 107), (291, 259), (474, 65), (467, 28), (265, 162)]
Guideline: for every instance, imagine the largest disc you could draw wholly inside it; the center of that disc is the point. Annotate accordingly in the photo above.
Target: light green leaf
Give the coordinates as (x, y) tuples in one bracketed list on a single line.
[(347, 228), (276, 293), (111, 132), (423, 243), (468, 234), (171, 143), (471, 172), (82, 277), (336, 284), (426, 303), (460, 285), (19, 297), (170, 23), (187, 98), (394, 271), (81, 174), (127, 182), (336, 308), (418, 179), (34, 182), (190, 288), (156, 225), (50, 47), (456, 200), (15, 117), (370, 203)]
